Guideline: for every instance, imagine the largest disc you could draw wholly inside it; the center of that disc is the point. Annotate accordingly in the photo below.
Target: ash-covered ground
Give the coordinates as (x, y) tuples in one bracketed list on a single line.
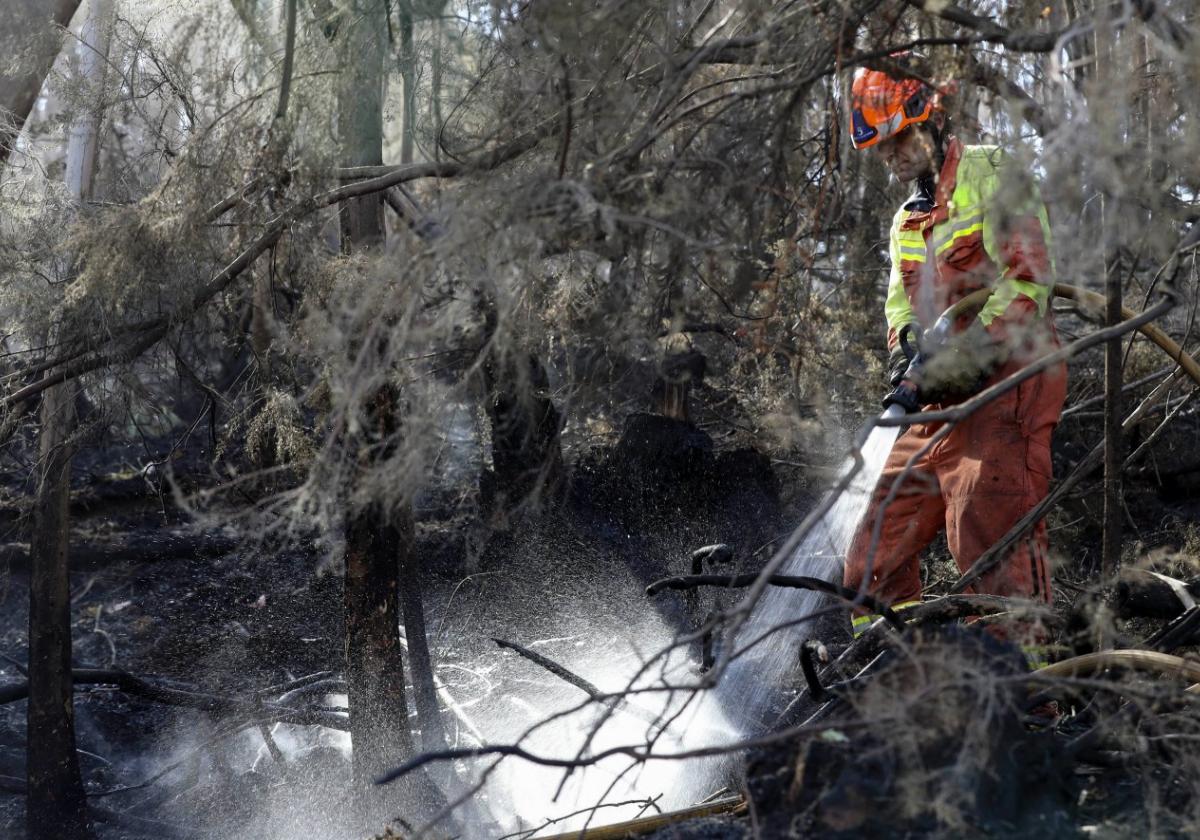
[(217, 611)]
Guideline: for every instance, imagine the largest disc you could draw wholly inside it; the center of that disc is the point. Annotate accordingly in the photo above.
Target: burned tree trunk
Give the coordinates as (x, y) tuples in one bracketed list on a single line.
[(374, 669), (56, 805), (378, 534), (1113, 453), (680, 366), (420, 662), (527, 460), (527, 463)]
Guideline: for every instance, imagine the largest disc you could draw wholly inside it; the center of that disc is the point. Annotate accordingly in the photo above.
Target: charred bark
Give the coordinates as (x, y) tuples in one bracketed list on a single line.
[(681, 365), (380, 533), (374, 669), (56, 805), (527, 462), (1113, 456)]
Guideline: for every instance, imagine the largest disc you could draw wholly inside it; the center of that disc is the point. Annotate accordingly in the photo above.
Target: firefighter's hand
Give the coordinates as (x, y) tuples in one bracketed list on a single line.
[(962, 368)]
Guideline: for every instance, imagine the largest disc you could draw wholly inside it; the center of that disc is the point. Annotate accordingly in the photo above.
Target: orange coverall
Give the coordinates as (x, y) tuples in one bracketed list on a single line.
[(987, 228)]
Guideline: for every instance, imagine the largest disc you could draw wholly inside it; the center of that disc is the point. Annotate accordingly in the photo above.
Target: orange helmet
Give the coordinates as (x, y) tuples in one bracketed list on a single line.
[(882, 106)]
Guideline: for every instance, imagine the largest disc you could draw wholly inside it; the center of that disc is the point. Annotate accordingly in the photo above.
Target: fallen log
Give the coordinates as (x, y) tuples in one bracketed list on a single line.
[(948, 608), (1182, 630), (120, 819), (141, 825), (88, 555), (203, 701), (1134, 660)]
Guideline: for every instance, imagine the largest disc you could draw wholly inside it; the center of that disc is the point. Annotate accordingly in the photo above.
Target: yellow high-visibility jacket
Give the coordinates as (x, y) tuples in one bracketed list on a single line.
[(987, 228)]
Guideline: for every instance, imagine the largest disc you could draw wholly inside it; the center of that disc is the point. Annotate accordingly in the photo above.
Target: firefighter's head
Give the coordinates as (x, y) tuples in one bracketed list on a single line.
[(901, 117)]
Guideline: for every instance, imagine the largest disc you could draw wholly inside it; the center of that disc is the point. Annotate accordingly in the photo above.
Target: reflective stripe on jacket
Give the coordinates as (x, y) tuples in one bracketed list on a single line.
[(987, 229)]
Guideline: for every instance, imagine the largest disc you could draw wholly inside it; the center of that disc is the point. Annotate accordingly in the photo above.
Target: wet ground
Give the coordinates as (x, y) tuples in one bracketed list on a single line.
[(214, 611), (217, 611)]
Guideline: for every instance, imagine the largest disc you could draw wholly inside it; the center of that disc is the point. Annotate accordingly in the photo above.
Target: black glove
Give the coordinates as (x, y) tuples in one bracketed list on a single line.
[(905, 395), (898, 362), (904, 364)]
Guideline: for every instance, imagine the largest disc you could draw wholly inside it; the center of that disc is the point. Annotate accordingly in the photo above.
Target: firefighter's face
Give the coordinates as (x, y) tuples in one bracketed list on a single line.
[(910, 154)]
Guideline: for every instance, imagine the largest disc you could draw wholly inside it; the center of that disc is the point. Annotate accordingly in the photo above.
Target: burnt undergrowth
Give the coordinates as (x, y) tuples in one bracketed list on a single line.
[(945, 734)]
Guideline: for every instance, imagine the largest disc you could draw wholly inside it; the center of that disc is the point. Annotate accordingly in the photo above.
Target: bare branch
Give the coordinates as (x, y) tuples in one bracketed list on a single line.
[(686, 582)]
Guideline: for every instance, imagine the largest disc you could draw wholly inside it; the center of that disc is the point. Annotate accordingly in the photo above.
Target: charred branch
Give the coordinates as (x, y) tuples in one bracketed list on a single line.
[(614, 701), (557, 670), (851, 596), (809, 651)]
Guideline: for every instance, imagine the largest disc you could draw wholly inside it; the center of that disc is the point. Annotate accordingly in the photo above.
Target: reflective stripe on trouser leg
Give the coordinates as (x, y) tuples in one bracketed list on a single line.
[(1038, 656), (860, 623)]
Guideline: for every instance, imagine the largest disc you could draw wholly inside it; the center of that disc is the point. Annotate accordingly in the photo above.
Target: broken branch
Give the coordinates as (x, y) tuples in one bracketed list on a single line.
[(557, 670), (611, 700), (853, 596)]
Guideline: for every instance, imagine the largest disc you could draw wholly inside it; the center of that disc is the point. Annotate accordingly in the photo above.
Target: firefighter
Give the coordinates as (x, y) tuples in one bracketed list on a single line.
[(975, 221)]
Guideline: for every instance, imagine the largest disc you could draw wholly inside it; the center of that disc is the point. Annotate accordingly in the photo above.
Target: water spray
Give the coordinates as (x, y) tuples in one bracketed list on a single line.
[(759, 675), (760, 680)]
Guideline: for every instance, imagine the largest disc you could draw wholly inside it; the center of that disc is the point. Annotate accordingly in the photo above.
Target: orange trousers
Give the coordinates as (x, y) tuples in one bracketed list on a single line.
[(987, 473)]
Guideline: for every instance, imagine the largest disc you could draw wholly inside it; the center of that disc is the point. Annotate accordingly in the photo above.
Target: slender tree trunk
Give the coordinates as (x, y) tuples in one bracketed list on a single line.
[(526, 452), (374, 668), (28, 27), (363, 38), (408, 76), (1111, 214), (409, 567), (56, 807), (1111, 540), (435, 84), (420, 662), (376, 536)]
